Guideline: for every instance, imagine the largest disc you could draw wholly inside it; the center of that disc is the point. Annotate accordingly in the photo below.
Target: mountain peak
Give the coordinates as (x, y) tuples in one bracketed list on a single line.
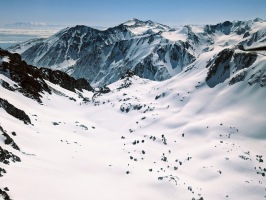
[(258, 20), (135, 24), (132, 22)]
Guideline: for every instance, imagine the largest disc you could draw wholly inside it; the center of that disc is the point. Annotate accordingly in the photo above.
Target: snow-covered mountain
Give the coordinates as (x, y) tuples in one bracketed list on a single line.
[(151, 50), (198, 135)]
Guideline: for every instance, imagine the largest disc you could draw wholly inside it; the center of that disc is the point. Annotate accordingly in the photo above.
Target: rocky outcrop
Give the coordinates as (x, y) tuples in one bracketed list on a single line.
[(31, 80), (64, 80), (15, 112), (6, 156), (226, 63), (8, 140), (4, 195)]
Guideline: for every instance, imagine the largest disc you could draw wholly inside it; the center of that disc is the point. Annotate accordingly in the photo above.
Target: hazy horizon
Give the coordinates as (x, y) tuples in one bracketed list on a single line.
[(108, 13)]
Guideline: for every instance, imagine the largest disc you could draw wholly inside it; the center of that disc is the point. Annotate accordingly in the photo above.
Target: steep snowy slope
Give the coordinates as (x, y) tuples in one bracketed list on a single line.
[(152, 50), (199, 135)]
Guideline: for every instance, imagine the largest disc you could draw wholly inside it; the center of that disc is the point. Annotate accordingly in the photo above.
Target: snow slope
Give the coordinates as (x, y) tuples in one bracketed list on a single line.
[(176, 139)]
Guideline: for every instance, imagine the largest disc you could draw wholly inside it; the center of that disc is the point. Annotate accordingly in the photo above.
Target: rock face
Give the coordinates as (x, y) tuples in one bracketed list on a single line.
[(64, 80), (15, 112), (226, 63), (31, 80), (8, 140), (6, 156)]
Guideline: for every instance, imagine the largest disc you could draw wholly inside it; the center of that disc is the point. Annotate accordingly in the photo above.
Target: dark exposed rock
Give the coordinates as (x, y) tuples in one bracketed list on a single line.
[(263, 80), (221, 61), (160, 95), (7, 86), (179, 56), (246, 35), (164, 140), (128, 74), (239, 77), (227, 27), (15, 112), (9, 140), (28, 77), (145, 69), (164, 158), (4, 195), (103, 90), (244, 60), (226, 61), (32, 80), (6, 156), (126, 83), (126, 107), (64, 80), (2, 171), (254, 37), (258, 77)]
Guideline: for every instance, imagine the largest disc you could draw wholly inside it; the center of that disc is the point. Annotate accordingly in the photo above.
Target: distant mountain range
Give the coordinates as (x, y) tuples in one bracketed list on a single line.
[(40, 25), (149, 49), (35, 25)]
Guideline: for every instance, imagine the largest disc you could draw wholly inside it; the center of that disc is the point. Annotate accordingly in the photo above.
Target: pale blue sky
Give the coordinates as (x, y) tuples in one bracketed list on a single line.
[(113, 12)]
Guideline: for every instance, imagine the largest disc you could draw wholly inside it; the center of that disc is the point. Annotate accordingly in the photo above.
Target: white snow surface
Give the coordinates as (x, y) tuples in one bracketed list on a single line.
[(174, 35), (93, 150), (64, 66), (4, 59)]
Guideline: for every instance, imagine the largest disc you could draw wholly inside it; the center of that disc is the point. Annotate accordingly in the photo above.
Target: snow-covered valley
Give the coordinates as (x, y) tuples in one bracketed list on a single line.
[(199, 135)]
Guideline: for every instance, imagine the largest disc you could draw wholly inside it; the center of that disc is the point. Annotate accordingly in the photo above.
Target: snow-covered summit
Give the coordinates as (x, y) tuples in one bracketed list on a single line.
[(139, 27), (131, 22)]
